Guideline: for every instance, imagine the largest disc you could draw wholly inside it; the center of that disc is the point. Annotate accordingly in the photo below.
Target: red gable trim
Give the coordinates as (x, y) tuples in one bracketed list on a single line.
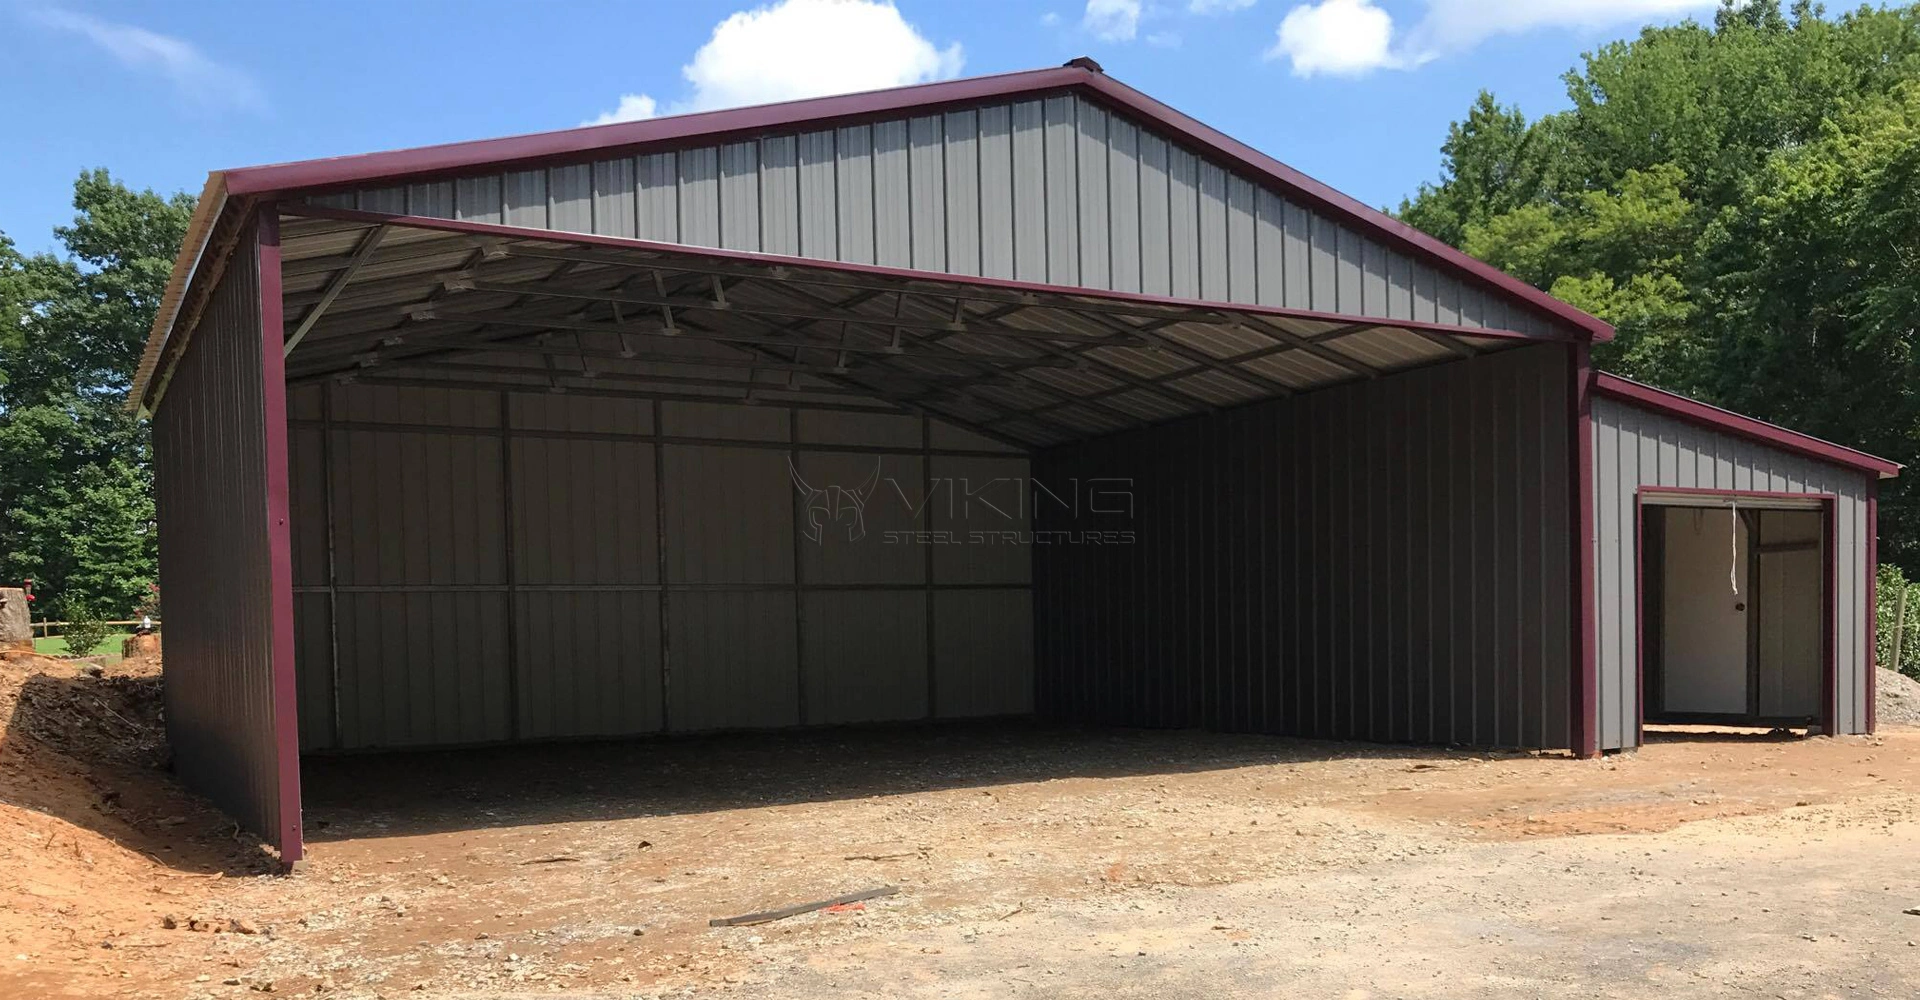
[(573, 144), (1713, 417)]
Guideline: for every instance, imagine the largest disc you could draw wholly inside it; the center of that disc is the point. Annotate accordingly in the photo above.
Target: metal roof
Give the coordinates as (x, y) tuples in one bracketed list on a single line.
[(1694, 411), (242, 189), (406, 300)]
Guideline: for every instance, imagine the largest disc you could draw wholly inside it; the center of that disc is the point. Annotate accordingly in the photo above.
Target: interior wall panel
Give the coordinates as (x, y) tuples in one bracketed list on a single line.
[(498, 568), (865, 654), (983, 652), (1374, 561)]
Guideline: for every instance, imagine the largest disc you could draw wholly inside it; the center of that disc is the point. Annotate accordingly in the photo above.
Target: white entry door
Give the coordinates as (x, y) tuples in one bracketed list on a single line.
[(1705, 596)]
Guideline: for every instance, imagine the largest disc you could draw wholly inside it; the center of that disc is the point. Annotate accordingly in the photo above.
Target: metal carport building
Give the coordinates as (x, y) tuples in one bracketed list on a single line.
[(1014, 395)]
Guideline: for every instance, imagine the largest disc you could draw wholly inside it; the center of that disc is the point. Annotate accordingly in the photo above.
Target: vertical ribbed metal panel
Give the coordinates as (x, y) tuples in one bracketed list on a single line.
[(734, 662), (1059, 190), (853, 192), (1183, 223), (1060, 151), (420, 561), (526, 199), (1212, 187), (1634, 447), (1156, 243), (570, 198), (1091, 160), (1381, 561), (892, 206), (729, 512), (983, 652), (819, 225), (865, 654), (657, 198), (211, 468), (740, 196), (613, 198), (1028, 182), (996, 192), (779, 196), (1242, 259), (927, 189), (1123, 204), (477, 199), (699, 191), (961, 181)]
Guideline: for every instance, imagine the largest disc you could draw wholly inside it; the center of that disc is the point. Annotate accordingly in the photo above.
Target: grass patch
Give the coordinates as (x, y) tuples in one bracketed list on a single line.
[(57, 646)]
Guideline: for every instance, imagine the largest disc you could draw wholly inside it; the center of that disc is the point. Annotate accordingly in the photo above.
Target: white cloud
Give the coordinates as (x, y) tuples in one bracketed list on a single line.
[(1458, 25), (196, 76), (1353, 37), (1217, 6), (1339, 37), (1112, 20), (632, 108), (807, 48)]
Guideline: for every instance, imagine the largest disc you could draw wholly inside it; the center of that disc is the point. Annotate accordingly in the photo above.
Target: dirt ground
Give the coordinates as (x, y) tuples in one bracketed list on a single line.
[(1029, 861)]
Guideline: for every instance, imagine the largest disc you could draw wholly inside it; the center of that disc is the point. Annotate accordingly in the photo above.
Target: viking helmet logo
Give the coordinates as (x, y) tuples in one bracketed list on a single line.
[(834, 504)]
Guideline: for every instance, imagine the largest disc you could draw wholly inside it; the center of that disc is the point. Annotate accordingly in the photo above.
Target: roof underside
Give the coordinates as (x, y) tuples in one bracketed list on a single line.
[(393, 300)]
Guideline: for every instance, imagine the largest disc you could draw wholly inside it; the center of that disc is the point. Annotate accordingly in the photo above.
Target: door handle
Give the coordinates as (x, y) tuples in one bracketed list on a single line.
[(1739, 605)]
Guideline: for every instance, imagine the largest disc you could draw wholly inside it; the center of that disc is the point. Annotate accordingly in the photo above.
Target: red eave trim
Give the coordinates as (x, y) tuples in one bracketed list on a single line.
[(1694, 411), (573, 144), (901, 273)]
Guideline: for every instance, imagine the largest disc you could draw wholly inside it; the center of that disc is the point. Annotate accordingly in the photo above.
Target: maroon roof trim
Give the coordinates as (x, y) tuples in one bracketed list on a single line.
[(454, 158), (1713, 417), (884, 271)]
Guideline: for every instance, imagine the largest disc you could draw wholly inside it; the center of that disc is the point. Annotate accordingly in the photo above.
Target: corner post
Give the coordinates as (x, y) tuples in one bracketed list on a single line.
[(273, 398), (1585, 736)]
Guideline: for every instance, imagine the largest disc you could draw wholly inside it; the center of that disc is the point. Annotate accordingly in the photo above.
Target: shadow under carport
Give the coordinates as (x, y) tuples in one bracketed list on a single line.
[(407, 793)]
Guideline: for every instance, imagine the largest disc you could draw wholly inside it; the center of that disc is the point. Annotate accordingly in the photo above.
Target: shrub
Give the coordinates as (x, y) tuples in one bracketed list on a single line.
[(1892, 583), (84, 632)]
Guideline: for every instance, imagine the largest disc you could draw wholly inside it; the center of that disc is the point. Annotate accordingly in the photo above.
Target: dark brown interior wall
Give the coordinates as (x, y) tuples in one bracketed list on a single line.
[(1385, 560)]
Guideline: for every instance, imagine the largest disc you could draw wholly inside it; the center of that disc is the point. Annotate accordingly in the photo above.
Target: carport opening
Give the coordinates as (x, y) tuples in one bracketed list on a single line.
[(1733, 594)]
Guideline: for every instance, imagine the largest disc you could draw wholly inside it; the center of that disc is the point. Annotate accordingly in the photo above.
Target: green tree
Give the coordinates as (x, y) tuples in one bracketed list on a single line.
[(76, 503), (1741, 200)]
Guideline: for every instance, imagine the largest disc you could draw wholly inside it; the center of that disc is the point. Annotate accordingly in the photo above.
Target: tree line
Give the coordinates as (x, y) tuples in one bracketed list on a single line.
[(1740, 198)]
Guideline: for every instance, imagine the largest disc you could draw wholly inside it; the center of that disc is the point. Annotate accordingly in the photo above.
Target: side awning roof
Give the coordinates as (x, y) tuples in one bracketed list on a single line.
[(1694, 411)]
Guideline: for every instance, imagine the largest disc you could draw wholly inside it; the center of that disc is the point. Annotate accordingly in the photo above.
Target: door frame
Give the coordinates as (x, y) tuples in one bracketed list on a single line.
[(1679, 496)]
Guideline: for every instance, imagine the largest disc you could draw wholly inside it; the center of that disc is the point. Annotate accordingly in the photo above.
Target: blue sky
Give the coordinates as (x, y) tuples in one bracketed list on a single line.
[(1357, 93)]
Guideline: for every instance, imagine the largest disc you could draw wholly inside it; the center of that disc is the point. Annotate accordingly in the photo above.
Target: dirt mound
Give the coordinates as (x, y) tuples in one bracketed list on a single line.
[(97, 841), (85, 711), (1898, 701)]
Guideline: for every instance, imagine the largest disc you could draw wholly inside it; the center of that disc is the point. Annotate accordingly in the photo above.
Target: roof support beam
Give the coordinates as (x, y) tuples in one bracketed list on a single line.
[(1320, 351), (338, 284)]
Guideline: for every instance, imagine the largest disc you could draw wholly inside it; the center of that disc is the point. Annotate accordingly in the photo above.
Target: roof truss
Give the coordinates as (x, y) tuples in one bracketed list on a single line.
[(402, 300)]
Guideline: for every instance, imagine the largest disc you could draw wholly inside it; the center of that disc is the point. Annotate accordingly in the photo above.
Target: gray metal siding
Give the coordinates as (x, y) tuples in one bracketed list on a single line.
[(211, 485), (492, 569), (1382, 561), (1061, 191), (1634, 447)]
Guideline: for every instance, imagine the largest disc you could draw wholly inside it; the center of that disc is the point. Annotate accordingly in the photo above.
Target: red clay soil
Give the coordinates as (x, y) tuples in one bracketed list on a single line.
[(97, 844)]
